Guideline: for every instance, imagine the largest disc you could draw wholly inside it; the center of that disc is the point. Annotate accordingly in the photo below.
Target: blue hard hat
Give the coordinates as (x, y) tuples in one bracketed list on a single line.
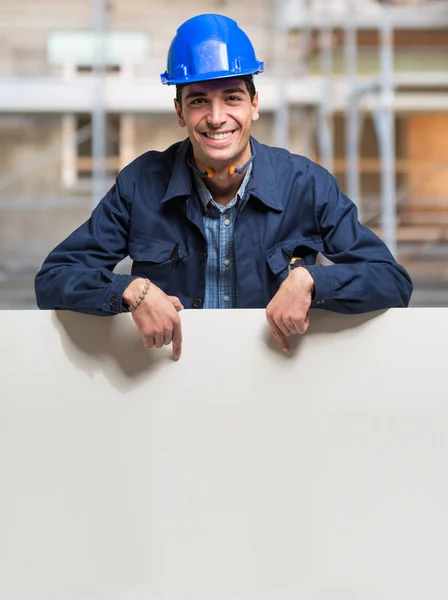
[(209, 47)]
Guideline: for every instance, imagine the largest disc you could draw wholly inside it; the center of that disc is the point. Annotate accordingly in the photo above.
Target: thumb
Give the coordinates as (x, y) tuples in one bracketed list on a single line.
[(176, 303)]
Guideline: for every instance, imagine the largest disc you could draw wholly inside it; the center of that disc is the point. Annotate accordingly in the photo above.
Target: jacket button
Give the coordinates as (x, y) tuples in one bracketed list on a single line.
[(203, 256), (113, 302), (198, 302)]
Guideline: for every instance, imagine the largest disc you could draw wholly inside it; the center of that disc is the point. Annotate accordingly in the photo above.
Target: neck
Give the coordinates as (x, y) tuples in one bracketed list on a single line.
[(223, 186)]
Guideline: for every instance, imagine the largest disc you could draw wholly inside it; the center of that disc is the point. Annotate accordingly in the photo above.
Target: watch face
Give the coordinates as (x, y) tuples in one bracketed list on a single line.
[(296, 261)]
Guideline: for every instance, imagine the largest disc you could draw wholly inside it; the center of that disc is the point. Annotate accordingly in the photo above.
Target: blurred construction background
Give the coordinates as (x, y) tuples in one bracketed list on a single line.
[(358, 85)]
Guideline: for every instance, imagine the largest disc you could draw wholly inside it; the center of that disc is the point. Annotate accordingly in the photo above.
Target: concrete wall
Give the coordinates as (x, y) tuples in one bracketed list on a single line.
[(23, 139), (25, 225)]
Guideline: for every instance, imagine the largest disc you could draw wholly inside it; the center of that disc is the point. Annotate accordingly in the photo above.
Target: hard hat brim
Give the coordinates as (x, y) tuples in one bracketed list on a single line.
[(186, 80)]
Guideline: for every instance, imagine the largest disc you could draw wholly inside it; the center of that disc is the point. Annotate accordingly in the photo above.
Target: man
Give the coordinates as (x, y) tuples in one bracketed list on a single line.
[(219, 220)]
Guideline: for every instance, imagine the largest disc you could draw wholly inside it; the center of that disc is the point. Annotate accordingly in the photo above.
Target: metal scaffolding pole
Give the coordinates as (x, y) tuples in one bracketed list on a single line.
[(305, 35), (352, 115), (325, 129), (281, 115), (99, 180), (385, 121)]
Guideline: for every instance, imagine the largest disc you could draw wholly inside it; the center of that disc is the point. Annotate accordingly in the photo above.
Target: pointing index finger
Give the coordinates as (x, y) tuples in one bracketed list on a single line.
[(177, 341), (278, 336)]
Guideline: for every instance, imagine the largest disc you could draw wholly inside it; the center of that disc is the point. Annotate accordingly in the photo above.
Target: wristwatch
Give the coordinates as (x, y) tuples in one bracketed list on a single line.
[(295, 262)]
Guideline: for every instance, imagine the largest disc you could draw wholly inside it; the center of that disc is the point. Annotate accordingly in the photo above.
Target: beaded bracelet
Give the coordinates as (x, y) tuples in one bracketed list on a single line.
[(140, 299)]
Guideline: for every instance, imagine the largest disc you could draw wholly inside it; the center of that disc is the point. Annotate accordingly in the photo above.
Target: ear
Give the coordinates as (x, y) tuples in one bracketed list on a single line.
[(178, 109), (255, 113)]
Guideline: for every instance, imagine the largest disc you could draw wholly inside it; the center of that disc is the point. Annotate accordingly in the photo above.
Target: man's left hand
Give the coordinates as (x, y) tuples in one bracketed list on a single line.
[(287, 312)]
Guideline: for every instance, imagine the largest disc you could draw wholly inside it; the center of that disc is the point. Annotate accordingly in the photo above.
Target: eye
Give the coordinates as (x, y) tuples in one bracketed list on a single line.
[(197, 101), (233, 98)]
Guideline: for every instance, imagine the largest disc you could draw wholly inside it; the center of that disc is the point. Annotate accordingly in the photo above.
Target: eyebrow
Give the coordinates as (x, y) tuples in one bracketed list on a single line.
[(199, 94)]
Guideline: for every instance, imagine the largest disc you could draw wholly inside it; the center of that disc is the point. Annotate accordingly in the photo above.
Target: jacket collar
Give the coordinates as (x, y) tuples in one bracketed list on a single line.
[(262, 183), (181, 181)]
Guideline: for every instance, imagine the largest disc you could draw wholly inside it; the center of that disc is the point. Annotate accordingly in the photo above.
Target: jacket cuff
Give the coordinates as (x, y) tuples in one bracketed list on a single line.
[(114, 294), (323, 286)]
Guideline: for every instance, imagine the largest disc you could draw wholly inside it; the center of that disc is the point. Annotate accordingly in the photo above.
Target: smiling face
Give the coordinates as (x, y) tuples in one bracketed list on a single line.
[(218, 115)]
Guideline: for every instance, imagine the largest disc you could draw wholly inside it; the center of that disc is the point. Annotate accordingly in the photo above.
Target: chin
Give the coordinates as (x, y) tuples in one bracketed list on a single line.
[(219, 157), (225, 154)]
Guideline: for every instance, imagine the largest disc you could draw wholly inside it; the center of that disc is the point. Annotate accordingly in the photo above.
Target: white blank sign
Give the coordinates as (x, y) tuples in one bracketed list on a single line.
[(237, 473)]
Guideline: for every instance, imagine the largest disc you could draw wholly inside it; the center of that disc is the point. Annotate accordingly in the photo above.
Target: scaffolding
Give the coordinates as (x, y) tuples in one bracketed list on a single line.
[(376, 95)]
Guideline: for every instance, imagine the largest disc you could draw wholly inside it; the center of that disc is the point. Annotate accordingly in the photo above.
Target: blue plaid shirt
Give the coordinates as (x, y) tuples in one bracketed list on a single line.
[(221, 289)]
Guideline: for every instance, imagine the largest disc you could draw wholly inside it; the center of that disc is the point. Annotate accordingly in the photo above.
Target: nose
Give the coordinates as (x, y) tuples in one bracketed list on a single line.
[(216, 115)]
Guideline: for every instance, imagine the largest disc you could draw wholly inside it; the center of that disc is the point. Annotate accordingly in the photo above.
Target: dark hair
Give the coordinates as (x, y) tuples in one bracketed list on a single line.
[(248, 79)]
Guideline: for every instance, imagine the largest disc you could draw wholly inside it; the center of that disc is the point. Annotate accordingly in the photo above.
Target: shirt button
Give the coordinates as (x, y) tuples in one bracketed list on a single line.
[(226, 298), (227, 262), (203, 256), (320, 302), (198, 302), (113, 302), (227, 222)]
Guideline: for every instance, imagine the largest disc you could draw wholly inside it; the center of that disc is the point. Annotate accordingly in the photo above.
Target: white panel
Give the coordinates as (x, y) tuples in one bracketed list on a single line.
[(238, 473), (78, 47)]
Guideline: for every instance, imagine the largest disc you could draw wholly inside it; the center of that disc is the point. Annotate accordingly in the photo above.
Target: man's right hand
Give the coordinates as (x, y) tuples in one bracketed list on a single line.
[(156, 318)]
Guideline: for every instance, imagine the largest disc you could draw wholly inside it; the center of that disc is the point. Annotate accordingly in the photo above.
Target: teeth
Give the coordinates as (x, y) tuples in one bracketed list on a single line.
[(218, 136)]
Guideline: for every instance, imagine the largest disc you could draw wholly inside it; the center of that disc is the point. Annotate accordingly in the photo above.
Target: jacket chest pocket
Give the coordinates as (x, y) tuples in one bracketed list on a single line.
[(161, 262), (280, 258)]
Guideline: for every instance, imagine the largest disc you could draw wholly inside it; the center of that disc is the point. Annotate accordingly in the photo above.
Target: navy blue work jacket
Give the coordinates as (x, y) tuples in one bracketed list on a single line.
[(292, 207)]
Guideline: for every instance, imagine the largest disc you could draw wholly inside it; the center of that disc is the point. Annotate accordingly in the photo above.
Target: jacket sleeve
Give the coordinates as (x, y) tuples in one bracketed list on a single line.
[(365, 276), (78, 274)]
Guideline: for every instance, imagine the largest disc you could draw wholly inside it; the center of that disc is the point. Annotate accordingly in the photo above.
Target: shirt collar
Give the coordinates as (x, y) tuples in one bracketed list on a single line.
[(261, 182)]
